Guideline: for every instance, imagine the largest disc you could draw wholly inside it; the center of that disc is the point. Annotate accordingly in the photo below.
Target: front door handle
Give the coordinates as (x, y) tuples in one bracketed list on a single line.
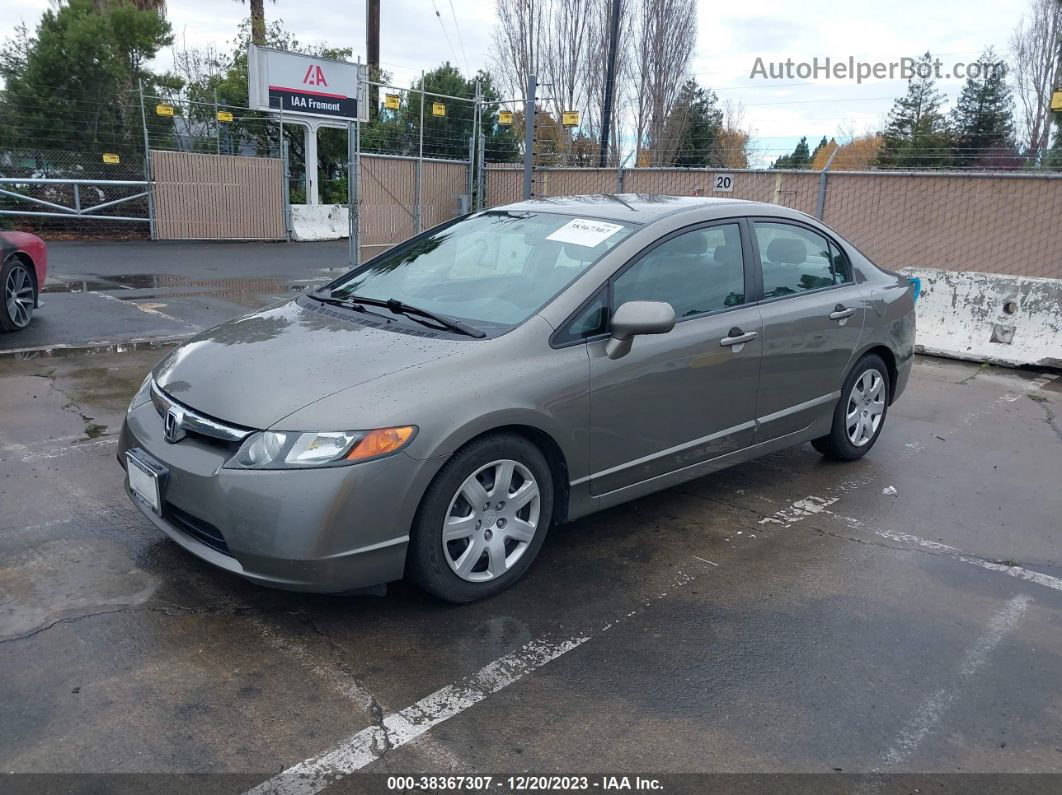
[(841, 313), (737, 337)]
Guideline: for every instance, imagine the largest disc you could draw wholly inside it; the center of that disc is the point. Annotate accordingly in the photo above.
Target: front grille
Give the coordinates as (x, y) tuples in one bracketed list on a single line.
[(201, 531)]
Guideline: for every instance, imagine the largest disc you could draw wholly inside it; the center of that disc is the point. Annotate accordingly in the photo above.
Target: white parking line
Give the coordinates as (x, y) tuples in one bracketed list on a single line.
[(402, 727), (933, 708)]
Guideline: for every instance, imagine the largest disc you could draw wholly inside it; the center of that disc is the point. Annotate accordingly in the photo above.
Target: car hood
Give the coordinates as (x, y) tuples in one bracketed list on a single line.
[(259, 368)]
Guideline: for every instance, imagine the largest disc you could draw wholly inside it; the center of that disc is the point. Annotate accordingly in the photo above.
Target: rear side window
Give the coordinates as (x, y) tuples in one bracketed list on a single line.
[(696, 272), (795, 260)]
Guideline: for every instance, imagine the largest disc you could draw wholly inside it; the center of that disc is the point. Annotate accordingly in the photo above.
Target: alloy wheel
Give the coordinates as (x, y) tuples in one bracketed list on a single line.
[(866, 407), (491, 521), (18, 294)]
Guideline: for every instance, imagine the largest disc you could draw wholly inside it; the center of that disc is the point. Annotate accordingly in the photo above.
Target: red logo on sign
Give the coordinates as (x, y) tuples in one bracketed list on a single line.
[(314, 76)]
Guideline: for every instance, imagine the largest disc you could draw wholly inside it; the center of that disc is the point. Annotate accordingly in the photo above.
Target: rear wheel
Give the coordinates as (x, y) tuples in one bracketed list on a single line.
[(20, 294), (482, 520), (860, 413)]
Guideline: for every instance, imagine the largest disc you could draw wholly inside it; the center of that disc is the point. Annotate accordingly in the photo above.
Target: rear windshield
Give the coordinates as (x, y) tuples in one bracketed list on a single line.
[(493, 268)]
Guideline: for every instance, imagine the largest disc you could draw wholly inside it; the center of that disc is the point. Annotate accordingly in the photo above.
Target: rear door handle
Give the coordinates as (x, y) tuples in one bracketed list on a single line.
[(737, 337), (840, 313)]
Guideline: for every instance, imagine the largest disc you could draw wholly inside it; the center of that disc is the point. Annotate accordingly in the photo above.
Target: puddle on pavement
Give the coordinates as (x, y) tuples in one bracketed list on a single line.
[(169, 281)]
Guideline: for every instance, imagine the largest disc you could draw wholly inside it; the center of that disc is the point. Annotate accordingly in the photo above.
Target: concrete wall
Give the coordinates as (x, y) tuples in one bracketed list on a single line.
[(319, 221), (986, 317)]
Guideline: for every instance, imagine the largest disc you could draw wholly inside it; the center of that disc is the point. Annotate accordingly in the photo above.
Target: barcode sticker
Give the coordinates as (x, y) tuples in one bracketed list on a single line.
[(583, 232)]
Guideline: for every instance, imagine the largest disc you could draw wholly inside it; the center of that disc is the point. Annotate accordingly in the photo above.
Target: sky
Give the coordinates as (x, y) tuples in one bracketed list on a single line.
[(730, 37)]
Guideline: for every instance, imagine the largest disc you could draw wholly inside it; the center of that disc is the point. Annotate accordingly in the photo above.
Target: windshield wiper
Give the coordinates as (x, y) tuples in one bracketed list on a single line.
[(347, 303), (400, 308)]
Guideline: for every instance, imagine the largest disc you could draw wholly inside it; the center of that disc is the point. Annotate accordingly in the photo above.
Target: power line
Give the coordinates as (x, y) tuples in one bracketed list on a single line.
[(460, 40), (446, 36)]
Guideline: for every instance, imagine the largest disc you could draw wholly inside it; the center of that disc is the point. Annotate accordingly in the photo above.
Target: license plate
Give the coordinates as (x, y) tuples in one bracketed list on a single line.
[(144, 477)]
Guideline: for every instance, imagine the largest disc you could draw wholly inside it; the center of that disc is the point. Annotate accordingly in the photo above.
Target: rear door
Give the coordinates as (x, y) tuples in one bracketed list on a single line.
[(813, 314), (684, 397)]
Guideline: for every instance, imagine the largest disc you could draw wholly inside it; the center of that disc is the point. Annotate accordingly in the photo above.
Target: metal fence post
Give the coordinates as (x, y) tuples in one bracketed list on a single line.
[(285, 178), (529, 136), (354, 166), (481, 174), (147, 165), (418, 218), (820, 204), (217, 126)]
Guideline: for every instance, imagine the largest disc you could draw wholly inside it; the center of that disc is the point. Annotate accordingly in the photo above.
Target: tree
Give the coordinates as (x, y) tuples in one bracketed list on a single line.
[(982, 120), (663, 40), (695, 123), (73, 84), (819, 148), (258, 23), (518, 41), (1036, 63), (917, 135), (859, 153), (800, 158)]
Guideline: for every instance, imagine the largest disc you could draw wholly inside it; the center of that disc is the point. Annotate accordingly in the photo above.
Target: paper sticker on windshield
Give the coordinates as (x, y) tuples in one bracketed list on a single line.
[(583, 232)]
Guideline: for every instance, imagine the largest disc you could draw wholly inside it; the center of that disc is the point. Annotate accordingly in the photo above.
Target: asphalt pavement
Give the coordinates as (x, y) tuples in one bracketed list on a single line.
[(101, 294), (898, 614)]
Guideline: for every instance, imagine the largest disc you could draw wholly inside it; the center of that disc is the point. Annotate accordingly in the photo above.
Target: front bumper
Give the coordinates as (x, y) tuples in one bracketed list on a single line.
[(326, 530)]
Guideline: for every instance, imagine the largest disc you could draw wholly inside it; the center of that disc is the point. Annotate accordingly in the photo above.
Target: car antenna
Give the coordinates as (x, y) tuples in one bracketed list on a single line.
[(616, 198)]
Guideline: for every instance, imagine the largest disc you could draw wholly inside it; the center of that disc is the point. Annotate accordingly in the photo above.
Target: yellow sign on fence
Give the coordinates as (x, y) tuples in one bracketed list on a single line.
[(438, 109), (225, 116), (1056, 100), (570, 118), (505, 117), (164, 110), (391, 101), (111, 159)]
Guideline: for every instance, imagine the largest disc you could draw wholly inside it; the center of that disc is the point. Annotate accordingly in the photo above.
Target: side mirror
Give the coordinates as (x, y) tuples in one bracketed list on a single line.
[(638, 317)]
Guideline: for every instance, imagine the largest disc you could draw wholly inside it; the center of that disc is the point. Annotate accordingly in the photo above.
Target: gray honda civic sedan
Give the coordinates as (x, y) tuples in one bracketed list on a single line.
[(433, 412)]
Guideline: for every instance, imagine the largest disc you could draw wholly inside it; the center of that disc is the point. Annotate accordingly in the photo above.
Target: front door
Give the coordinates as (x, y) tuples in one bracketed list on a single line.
[(687, 396), (812, 320)]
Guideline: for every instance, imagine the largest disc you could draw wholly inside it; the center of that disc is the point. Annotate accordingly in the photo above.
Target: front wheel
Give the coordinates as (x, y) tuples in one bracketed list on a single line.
[(860, 413), (20, 295), (482, 520)]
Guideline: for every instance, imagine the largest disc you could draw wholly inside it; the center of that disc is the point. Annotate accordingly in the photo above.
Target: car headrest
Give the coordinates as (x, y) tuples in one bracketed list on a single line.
[(726, 255), (690, 243), (790, 250)]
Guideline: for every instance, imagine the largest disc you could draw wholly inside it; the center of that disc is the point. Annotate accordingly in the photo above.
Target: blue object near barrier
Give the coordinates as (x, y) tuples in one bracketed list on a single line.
[(917, 282)]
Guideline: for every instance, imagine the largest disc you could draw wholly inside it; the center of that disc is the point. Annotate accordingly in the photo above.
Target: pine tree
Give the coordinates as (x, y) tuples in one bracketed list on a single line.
[(822, 145), (800, 158), (917, 134), (982, 120), (696, 123)]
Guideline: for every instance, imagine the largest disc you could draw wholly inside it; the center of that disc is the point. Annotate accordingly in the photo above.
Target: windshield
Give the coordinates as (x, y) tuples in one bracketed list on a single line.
[(492, 268)]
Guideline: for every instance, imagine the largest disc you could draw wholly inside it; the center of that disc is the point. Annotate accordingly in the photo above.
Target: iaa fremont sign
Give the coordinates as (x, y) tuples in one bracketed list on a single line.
[(293, 83)]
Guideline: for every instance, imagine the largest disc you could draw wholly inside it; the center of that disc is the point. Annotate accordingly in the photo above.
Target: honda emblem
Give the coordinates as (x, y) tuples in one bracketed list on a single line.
[(173, 425)]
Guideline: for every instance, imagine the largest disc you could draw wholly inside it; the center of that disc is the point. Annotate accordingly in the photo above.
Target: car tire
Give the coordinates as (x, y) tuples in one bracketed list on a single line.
[(864, 396), (19, 294), (486, 558)]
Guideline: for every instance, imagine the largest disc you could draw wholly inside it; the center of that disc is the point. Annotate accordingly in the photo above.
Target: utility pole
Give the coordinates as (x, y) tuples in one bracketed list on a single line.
[(372, 52), (529, 137), (610, 78)]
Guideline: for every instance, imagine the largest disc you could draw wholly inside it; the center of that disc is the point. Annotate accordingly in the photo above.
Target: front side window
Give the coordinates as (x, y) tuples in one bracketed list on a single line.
[(696, 272), (795, 260), (493, 268)]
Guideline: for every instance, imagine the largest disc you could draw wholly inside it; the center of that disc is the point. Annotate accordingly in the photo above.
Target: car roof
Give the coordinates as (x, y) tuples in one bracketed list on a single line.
[(639, 208)]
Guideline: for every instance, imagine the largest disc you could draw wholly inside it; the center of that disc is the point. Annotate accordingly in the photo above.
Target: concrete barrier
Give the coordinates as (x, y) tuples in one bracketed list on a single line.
[(985, 317), (319, 221)]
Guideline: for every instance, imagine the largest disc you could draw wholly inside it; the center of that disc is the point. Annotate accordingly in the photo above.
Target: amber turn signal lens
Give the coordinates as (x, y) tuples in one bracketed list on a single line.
[(380, 442)]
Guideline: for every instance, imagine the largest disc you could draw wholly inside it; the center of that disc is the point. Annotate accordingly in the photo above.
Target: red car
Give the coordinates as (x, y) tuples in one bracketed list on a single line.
[(23, 266)]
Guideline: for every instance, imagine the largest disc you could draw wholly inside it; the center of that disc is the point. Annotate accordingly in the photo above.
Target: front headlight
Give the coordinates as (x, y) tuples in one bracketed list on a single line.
[(143, 394), (295, 450)]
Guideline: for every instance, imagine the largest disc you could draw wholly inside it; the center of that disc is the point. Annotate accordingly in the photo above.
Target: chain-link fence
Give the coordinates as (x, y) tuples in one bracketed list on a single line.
[(423, 157)]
